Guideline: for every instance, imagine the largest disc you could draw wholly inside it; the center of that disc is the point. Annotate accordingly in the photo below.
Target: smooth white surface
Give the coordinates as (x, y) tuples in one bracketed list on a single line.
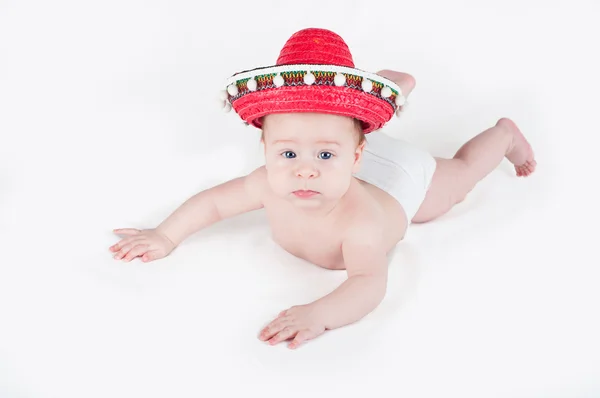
[(108, 119)]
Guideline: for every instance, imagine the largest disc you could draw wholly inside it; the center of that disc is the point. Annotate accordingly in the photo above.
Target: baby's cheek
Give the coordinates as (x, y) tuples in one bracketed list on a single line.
[(337, 184), (279, 183)]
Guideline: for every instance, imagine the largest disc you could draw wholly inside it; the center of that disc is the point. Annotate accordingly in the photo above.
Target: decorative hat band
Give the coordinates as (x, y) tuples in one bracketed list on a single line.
[(273, 77)]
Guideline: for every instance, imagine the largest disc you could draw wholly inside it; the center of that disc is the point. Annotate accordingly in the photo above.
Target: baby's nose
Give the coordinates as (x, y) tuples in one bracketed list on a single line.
[(306, 172)]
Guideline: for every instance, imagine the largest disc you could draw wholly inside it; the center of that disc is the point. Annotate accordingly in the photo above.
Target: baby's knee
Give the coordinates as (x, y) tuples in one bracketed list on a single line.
[(460, 198), (461, 192)]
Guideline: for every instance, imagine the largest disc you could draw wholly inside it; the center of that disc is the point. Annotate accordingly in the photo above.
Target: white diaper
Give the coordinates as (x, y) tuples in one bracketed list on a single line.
[(398, 168)]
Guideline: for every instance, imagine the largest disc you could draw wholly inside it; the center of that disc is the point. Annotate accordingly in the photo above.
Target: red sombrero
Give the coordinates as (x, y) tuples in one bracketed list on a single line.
[(314, 73)]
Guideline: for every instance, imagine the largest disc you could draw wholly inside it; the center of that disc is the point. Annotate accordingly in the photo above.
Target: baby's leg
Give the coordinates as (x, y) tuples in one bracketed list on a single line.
[(455, 178)]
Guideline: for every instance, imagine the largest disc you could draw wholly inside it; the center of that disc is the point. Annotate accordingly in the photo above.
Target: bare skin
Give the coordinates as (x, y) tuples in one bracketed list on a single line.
[(345, 224)]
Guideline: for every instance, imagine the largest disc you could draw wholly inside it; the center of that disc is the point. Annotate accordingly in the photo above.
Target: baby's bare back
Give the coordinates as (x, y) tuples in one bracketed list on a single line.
[(319, 239)]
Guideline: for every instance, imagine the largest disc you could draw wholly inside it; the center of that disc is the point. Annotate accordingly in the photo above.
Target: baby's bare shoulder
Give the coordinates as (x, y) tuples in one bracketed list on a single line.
[(365, 223), (363, 242), (363, 215), (256, 183)]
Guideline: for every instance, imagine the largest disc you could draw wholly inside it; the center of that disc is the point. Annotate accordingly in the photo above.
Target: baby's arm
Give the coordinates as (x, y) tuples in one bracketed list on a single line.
[(228, 199), (236, 196), (366, 264), (367, 267)]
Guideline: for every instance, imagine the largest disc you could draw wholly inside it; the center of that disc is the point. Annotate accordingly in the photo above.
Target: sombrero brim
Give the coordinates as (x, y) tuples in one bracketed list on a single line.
[(331, 89)]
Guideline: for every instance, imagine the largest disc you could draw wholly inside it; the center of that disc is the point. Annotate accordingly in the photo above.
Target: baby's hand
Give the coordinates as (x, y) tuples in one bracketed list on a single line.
[(147, 244), (301, 323)]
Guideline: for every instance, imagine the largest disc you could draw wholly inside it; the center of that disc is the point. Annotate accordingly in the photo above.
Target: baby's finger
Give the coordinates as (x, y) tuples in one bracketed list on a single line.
[(302, 336), (151, 255), (124, 242), (126, 248), (273, 328), (136, 252), (286, 333)]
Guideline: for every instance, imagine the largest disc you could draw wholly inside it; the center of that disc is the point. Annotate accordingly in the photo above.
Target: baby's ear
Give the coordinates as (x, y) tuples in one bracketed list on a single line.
[(262, 141), (358, 153), (361, 146)]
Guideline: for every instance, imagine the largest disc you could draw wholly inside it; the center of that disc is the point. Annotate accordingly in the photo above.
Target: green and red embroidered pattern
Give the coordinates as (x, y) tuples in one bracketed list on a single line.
[(322, 78)]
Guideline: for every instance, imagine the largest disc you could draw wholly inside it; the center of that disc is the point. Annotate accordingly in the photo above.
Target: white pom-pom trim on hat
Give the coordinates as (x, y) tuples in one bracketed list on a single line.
[(401, 109), (278, 81), (313, 68), (309, 78), (339, 79), (252, 84), (232, 89), (223, 101), (368, 81), (367, 85), (400, 100)]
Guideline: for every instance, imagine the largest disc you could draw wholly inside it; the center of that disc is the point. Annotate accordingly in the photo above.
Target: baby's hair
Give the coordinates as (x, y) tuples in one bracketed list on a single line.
[(360, 130)]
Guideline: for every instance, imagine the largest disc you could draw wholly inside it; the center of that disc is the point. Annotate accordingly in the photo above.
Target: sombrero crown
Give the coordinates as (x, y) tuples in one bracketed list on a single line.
[(314, 72)]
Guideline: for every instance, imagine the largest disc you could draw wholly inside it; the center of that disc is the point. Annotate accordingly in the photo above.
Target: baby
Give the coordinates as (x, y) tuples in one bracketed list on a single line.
[(336, 192)]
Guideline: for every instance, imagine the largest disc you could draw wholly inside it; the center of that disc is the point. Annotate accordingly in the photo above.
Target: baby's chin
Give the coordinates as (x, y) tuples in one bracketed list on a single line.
[(315, 201), (306, 203)]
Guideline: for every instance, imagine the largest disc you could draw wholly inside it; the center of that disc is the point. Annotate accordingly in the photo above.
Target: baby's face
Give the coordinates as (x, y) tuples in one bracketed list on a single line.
[(310, 152)]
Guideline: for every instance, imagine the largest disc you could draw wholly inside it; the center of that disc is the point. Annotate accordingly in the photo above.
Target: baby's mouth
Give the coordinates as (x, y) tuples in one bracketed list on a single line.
[(305, 193)]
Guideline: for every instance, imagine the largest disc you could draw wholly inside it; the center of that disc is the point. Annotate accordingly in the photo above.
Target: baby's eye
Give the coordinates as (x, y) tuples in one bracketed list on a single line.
[(289, 154), (326, 155)]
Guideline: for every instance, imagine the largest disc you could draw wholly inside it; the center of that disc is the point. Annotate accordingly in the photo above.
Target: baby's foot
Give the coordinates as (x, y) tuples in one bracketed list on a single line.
[(405, 81), (519, 152)]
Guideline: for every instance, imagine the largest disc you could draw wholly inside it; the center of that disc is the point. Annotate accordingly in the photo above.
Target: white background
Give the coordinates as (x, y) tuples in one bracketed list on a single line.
[(108, 119)]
